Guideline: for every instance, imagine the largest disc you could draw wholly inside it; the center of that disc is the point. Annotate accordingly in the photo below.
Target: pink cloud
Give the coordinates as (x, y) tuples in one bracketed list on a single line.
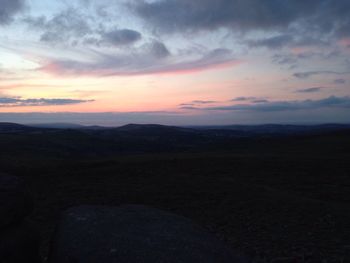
[(138, 65), (345, 42)]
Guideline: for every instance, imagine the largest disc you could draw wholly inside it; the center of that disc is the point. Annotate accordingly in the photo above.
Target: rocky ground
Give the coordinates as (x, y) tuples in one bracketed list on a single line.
[(269, 207), (274, 200)]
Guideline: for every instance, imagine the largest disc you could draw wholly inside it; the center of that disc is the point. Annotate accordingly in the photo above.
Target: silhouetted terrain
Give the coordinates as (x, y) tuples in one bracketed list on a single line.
[(134, 138), (270, 191)]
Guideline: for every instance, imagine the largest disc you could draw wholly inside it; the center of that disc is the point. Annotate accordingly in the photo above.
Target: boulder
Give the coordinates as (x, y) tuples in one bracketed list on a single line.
[(15, 203), (133, 234)]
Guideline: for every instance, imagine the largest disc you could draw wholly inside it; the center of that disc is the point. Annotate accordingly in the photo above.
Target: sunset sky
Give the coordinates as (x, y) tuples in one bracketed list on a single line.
[(177, 62)]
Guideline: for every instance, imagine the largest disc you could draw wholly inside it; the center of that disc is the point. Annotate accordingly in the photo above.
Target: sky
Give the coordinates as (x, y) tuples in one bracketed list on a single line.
[(175, 62)]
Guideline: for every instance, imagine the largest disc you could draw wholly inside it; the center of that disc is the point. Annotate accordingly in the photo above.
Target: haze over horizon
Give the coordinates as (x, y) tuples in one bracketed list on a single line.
[(175, 62)]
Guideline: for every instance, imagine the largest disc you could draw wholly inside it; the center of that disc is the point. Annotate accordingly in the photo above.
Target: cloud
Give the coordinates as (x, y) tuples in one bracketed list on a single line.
[(158, 50), (122, 36), (182, 105), (291, 59), (310, 90), (171, 15), (285, 59), (274, 106), (150, 59), (203, 101), (9, 8), (307, 74), (72, 26), (67, 26), (244, 99), (19, 102), (260, 101), (189, 107), (313, 16), (288, 40), (196, 103), (339, 81), (275, 42)]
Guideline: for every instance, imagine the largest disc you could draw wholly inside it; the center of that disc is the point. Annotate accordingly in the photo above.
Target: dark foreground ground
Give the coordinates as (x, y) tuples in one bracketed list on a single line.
[(267, 199)]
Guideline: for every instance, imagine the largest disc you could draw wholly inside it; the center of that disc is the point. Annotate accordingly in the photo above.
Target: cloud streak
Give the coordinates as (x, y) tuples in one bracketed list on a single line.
[(339, 81), (154, 58), (310, 90), (203, 101), (19, 102), (244, 99), (275, 106), (308, 74)]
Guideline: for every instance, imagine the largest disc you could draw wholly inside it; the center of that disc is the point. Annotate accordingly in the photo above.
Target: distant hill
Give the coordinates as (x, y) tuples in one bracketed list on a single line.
[(57, 125), (154, 129), (80, 140), (134, 127), (157, 129), (14, 127)]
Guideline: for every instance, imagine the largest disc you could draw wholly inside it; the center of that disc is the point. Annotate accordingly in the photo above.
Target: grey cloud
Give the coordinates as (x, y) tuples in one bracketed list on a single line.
[(122, 36), (193, 103), (65, 26), (284, 59), (290, 39), (9, 8), (330, 102), (316, 16), (310, 90), (305, 75), (272, 42), (182, 105), (291, 59), (158, 49), (260, 101), (72, 26), (339, 81), (203, 101), (189, 108), (19, 102), (244, 98), (171, 15)]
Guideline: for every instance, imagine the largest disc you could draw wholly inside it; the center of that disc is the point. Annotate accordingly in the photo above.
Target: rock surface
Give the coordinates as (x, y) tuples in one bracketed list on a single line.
[(15, 204), (133, 234)]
